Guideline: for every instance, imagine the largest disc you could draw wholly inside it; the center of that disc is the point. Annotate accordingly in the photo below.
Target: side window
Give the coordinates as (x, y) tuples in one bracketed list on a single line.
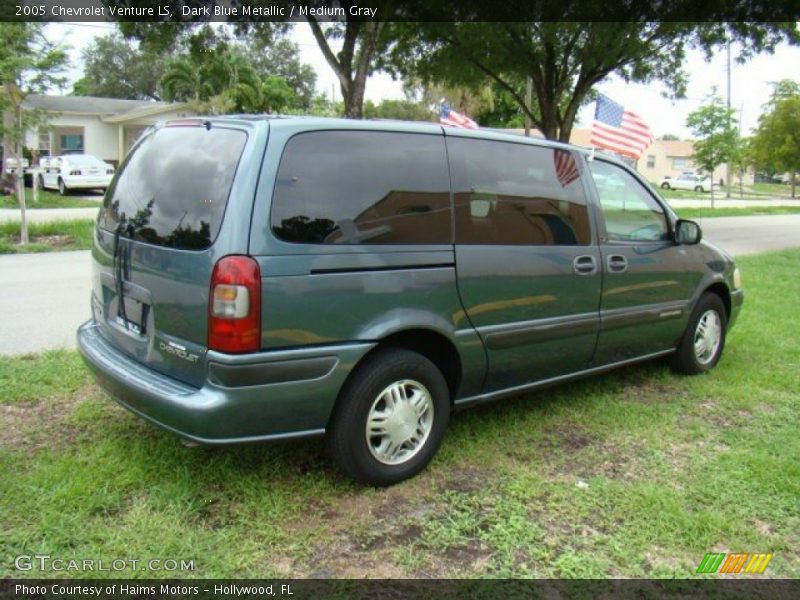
[(363, 187), (630, 212), (517, 194)]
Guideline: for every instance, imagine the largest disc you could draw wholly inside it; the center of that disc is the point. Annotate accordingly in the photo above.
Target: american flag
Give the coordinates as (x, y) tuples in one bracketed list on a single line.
[(566, 167), (619, 130), (447, 116)]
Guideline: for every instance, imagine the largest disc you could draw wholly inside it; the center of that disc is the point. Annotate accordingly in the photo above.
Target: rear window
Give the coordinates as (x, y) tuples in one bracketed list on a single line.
[(173, 188), (363, 187)]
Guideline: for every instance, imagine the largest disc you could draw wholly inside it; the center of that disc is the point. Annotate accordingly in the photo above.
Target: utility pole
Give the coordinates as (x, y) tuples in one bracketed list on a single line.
[(728, 165), (528, 101)]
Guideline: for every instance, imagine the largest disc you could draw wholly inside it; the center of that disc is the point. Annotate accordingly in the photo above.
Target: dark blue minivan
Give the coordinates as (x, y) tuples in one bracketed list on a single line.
[(265, 278)]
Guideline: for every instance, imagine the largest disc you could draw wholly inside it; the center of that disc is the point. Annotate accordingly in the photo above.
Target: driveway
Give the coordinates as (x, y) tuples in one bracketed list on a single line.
[(44, 297)]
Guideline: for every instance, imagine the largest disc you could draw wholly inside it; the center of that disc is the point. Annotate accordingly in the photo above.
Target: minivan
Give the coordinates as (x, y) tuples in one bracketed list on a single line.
[(265, 278)]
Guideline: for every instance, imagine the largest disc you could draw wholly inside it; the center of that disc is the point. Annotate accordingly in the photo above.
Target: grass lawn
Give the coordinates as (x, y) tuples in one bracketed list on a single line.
[(772, 189), (47, 237), (49, 199), (697, 213), (633, 474)]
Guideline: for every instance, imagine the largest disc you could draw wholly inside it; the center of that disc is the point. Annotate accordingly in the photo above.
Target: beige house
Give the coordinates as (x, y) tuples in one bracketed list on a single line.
[(664, 158), (104, 127)]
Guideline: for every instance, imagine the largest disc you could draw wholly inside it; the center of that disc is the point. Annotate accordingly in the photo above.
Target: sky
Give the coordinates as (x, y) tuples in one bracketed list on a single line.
[(750, 87)]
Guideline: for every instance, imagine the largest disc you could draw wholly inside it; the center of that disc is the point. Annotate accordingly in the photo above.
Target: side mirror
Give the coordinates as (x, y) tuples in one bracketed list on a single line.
[(687, 232)]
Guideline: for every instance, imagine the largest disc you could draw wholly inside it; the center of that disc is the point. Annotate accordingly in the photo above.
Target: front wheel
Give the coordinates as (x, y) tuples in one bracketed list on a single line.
[(665, 186), (704, 339), (390, 419), (699, 188)]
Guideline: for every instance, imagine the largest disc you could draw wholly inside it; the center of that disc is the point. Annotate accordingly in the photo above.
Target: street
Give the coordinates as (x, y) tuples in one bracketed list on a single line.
[(748, 235), (44, 297)]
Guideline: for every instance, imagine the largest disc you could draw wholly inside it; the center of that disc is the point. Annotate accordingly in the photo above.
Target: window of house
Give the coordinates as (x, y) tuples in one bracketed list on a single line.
[(363, 187), (680, 163), (72, 143), (651, 161), (44, 143), (517, 194)]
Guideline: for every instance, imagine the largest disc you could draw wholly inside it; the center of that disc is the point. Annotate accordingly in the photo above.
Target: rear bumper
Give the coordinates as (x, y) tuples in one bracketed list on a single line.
[(75, 182), (247, 398)]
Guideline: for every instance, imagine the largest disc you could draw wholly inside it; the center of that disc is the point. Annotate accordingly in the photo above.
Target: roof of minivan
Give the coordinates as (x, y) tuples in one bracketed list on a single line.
[(278, 121)]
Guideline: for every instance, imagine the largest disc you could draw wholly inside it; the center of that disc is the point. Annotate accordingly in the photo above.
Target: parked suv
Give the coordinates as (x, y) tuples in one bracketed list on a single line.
[(271, 278)]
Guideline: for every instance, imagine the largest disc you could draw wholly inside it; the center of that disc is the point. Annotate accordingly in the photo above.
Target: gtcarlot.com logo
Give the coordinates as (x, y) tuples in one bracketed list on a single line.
[(45, 562), (745, 563)]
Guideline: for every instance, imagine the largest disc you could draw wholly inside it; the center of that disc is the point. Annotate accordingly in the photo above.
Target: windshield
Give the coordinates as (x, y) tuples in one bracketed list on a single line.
[(173, 187)]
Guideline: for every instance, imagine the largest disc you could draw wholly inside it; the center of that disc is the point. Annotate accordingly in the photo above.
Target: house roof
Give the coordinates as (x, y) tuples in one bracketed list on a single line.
[(93, 105)]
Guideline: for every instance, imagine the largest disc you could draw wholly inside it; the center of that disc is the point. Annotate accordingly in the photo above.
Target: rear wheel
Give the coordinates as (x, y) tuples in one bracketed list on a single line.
[(62, 189), (40, 179), (698, 188), (704, 339), (390, 419), (665, 186)]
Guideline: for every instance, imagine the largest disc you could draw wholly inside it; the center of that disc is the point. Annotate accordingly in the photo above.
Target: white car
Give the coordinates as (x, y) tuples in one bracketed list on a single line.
[(688, 181), (11, 165), (75, 171)]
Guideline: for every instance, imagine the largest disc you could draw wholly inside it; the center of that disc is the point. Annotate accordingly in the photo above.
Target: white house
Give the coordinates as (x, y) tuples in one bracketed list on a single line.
[(104, 127)]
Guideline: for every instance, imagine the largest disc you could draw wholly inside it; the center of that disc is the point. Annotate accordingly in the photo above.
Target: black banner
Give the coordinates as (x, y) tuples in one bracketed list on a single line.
[(398, 10), (206, 589)]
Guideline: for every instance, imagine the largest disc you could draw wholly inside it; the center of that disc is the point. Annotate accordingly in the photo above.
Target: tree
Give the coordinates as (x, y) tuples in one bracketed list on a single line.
[(670, 137), (776, 143), (717, 136), (240, 67), (361, 41), (565, 61), (29, 64), (281, 57), (225, 82), (405, 110), (117, 68)]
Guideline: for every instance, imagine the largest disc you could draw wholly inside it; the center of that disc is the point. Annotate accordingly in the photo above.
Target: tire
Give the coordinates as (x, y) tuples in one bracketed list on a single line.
[(41, 182), (688, 358), (699, 188), (370, 392), (665, 186), (62, 188)]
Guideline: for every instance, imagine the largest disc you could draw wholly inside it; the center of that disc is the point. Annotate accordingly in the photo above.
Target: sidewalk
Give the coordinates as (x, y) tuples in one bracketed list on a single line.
[(45, 215)]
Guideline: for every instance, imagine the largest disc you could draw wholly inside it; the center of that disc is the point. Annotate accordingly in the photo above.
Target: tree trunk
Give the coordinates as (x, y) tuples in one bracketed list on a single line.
[(23, 223), (13, 149), (353, 100), (794, 182), (712, 188), (20, 187)]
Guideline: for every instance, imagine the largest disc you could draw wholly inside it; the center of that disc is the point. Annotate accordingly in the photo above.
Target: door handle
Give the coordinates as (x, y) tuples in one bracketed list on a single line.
[(617, 263), (585, 264)]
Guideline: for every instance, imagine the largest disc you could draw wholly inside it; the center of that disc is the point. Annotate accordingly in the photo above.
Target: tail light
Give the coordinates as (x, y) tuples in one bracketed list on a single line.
[(75, 172), (234, 306), (109, 171)]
